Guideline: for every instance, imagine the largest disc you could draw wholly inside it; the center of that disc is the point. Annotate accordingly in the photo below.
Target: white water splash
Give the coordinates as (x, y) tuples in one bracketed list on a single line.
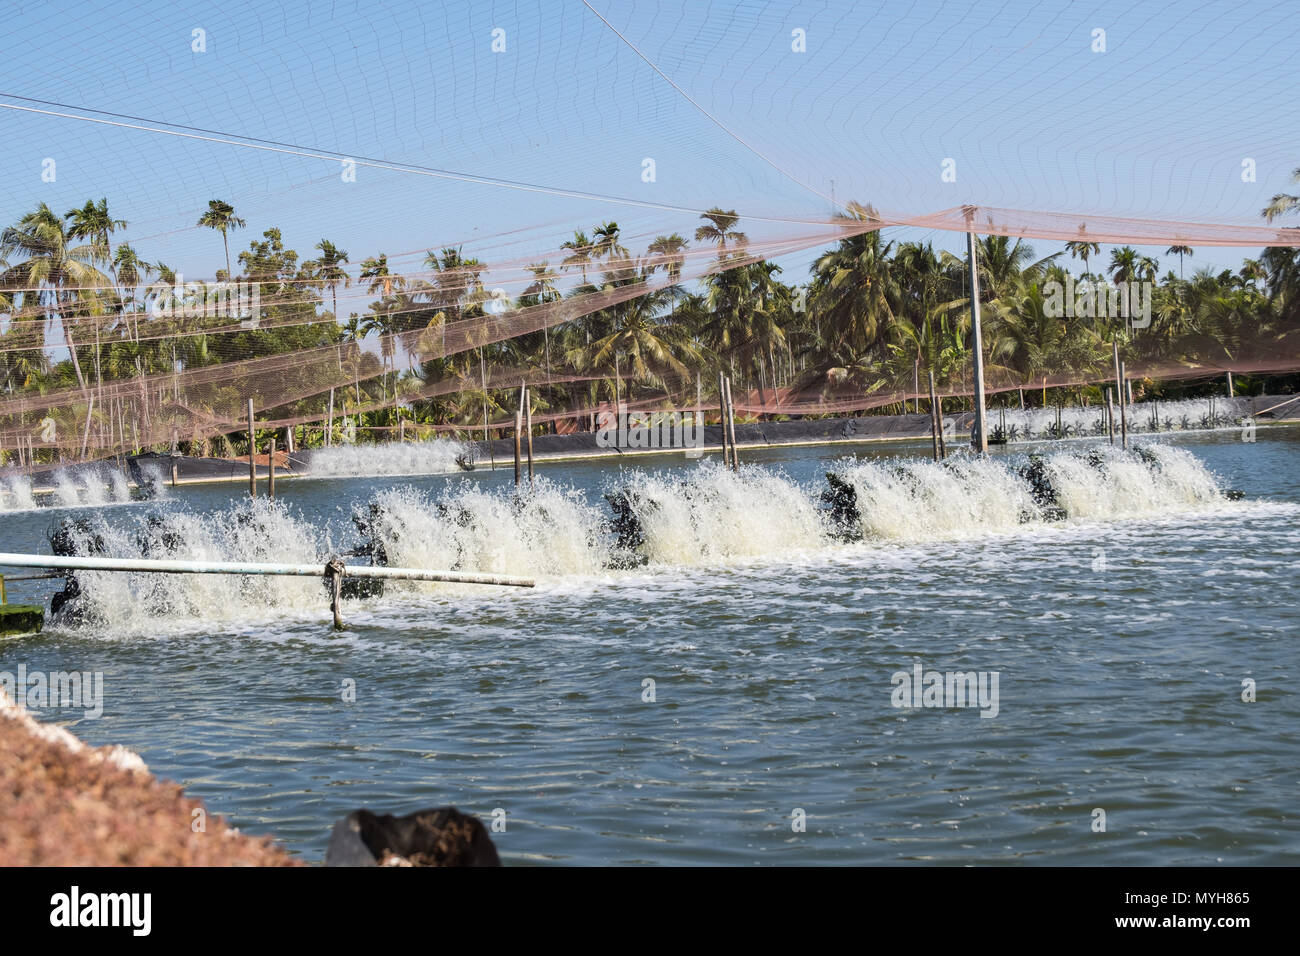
[(922, 500), (1034, 424), (911, 501), (550, 530), (16, 494), (712, 514), (436, 457), (706, 516), (82, 488)]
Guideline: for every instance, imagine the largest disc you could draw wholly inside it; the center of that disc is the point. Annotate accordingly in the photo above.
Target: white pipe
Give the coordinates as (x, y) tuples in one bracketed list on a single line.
[(235, 567)]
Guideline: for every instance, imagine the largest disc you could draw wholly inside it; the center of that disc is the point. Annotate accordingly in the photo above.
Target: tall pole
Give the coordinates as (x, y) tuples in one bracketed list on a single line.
[(1119, 386), (980, 439), (270, 472), (731, 428), (252, 451), (722, 416), (1110, 416), (329, 425), (934, 418), (528, 430), (519, 425), (1231, 393)]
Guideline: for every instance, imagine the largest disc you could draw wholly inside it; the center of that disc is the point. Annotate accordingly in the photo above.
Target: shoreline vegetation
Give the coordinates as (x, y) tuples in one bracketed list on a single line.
[(79, 312)]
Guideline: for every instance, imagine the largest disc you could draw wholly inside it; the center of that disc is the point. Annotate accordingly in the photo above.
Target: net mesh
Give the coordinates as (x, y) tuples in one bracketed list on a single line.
[(524, 188)]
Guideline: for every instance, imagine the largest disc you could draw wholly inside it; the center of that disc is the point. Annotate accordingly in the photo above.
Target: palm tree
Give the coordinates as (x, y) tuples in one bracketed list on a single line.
[(717, 230), (854, 287), (605, 244), (329, 269), (221, 217), (1283, 203), (580, 253), (668, 253), (1179, 251), (63, 274), (1083, 250), (539, 292), (92, 221), (1125, 264), (654, 345)]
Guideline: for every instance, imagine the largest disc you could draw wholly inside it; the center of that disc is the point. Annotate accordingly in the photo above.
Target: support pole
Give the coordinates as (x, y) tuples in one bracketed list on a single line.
[(1231, 392), (722, 415), (1123, 408), (979, 440), (1110, 416), (334, 572), (934, 418), (329, 426), (731, 428), (252, 454), (1119, 389), (519, 425), (270, 477), (90, 410), (528, 430)]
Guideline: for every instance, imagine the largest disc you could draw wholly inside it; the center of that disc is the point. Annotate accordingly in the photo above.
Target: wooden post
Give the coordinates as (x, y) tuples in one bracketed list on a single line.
[(731, 429), (528, 428), (288, 439), (1110, 416), (90, 409), (270, 477), (934, 418), (329, 422), (401, 430), (519, 424), (252, 453), (722, 416), (334, 571), (1123, 408), (1058, 421), (176, 447), (1231, 393), (1119, 389)]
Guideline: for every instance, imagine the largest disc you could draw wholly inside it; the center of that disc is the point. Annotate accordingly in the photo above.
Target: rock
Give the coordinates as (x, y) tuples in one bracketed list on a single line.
[(441, 836)]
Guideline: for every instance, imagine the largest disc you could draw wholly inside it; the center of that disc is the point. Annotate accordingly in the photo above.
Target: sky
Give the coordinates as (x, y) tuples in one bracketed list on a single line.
[(769, 108)]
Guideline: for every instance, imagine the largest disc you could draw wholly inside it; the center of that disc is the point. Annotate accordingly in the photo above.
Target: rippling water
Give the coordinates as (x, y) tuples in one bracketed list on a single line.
[(1121, 638)]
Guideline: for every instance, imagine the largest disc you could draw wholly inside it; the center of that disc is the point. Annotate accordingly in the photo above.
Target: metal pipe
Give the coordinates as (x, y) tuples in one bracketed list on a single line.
[(79, 563)]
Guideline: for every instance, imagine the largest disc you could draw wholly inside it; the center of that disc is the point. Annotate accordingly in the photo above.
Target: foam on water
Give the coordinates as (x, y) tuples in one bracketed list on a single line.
[(255, 531), (715, 515), (1174, 480), (87, 487), (923, 500), (707, 516), (551, 531), (434, 457), (1076, 422)]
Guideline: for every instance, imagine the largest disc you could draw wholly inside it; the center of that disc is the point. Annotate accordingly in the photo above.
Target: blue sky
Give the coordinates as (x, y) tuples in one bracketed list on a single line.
[(1156, 126)]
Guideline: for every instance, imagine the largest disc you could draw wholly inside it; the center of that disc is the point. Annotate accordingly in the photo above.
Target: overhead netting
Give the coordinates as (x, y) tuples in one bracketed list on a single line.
[(423, 208)]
